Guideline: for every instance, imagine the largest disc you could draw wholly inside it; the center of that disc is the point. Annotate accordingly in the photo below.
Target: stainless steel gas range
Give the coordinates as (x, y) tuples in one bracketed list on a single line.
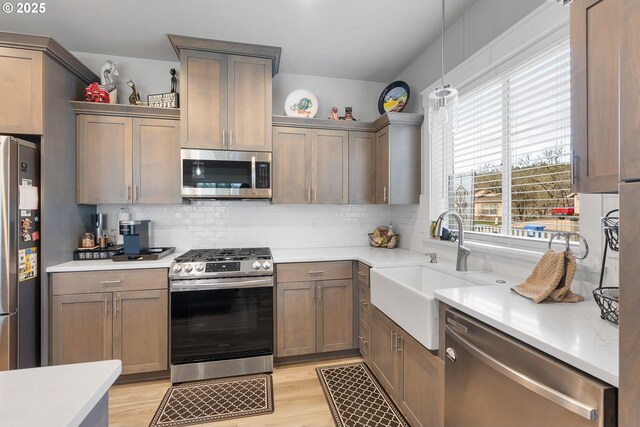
[(221, 313)]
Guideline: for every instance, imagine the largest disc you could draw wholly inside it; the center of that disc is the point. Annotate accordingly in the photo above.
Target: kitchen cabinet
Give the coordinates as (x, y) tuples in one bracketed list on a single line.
[(380, 160), (226, 94), (21, 86), (310, 166), (364, 308), (409, 373), (314, 308), (362, 168), (104, 315), (131, 157), (595, 78)]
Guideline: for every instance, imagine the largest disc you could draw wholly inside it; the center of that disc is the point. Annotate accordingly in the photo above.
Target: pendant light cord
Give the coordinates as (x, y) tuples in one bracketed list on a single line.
[(442, 50)]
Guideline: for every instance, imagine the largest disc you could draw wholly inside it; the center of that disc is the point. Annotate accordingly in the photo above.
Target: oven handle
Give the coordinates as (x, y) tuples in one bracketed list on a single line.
[(209, 284)]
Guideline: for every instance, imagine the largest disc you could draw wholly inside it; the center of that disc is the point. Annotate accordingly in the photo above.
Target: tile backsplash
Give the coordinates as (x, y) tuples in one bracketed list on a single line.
[(209, 224)]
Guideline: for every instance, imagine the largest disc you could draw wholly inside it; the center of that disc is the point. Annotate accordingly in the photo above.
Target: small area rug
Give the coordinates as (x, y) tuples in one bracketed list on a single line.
[(215, 400), (356, 398)]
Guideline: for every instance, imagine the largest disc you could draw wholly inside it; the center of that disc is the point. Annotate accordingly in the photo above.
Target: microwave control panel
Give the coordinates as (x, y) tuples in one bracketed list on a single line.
[(263, 175)]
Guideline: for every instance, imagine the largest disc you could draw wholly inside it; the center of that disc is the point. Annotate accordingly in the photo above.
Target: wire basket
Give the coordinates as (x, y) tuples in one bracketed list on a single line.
[(611, 230), (607, 300)]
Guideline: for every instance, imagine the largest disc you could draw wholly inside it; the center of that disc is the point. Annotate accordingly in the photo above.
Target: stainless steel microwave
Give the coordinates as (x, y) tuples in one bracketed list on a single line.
[(219, 174)]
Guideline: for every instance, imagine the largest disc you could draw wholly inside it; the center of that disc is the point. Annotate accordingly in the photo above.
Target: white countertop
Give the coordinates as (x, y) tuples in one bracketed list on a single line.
[(54, 396), (374, 257), (107, 264), (573, 333)]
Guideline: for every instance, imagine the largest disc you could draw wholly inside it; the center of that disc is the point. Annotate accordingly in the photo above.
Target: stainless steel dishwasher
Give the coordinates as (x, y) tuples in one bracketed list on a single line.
[(493, 380)]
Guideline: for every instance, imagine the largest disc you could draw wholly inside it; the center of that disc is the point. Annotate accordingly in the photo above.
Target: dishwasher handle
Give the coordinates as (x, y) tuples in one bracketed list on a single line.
[(567, 402)]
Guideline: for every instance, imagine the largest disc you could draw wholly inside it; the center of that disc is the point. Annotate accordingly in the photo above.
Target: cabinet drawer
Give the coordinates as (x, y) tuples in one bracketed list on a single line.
[(364, 337), (108, 281), (364, 299), (311, 271), (363, 273)]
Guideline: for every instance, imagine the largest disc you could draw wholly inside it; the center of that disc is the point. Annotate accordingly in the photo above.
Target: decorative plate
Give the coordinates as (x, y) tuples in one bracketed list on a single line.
[(301, 103), (394, 97)]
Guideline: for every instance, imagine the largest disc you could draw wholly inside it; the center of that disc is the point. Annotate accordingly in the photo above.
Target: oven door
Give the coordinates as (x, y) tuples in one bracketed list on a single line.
[(221, 319), (226, 174)]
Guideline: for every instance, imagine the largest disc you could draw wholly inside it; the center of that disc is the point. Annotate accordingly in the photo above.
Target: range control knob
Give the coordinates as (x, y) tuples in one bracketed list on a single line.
[(199, 266), (256, 265), (177, 268), (266, 265), (188, 268)]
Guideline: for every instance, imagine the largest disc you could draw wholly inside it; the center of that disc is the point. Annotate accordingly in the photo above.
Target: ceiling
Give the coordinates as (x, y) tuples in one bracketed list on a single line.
[(370, 40)]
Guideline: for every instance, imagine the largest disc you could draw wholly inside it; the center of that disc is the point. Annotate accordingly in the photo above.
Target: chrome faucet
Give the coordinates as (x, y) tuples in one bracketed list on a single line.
[(463, 253)]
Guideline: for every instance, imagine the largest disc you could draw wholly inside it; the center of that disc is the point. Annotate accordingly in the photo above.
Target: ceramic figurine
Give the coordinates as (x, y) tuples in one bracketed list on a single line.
[(334, 113), (108, 73), (174, 80), (134, 98), (348, 114)]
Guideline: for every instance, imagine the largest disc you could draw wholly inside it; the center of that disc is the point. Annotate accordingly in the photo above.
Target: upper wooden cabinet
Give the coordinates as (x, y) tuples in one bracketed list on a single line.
[(226, 97), (310, 166), (21, 87), (595, 73), (380, 160), (127, 154), (629, 88)]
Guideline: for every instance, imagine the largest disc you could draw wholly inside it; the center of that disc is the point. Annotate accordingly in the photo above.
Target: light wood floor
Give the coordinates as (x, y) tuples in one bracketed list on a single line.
[(298, 399)]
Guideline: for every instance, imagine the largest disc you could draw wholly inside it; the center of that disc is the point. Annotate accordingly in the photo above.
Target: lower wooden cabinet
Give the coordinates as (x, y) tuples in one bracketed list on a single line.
[(314, 316), (108, 318), (364, 308), (409, 373)]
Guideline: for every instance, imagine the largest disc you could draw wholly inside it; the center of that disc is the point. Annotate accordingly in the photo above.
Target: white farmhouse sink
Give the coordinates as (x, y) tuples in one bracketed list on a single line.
[(405, 295)]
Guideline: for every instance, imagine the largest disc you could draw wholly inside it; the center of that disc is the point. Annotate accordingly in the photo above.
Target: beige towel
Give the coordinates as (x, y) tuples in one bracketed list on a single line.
[(551, 278)]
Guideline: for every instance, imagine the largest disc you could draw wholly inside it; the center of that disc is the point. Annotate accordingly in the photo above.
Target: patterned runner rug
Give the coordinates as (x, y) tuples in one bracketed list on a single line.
[(356, 398), (215, 400)]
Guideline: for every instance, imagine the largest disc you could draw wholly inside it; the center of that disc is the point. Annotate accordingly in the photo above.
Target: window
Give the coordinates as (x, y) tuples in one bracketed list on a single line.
[(506, 170)]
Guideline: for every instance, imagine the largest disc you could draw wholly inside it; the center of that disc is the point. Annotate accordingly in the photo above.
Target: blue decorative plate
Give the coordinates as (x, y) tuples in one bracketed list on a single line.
[(394, 97)]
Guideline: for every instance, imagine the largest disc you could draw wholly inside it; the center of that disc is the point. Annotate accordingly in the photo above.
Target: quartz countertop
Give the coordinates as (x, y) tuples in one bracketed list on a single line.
[(374, 257), (60, 396), (107, 264), (573, 333)]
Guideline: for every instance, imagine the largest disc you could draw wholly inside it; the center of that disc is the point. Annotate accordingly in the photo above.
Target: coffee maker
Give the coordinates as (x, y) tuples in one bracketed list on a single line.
[(136, 236)]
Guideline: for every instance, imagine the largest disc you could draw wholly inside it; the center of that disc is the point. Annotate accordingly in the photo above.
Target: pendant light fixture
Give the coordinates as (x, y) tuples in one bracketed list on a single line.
[(443, 101)]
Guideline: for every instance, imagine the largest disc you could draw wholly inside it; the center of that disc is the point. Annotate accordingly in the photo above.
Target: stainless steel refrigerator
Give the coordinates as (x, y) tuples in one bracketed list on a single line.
[(19, 251)]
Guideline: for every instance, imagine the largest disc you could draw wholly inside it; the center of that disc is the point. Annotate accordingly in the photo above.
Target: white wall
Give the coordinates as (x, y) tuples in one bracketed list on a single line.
[(151, 76), (482, 22), (206, 224)]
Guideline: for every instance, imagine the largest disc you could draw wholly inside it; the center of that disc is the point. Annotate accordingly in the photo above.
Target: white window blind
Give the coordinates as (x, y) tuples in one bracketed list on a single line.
[(506, 169)]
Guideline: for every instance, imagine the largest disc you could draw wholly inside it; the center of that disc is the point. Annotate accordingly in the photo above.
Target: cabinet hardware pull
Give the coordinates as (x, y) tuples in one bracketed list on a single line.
[(385, 195), (363, 302), (363, 340), (319, 295), (110, 282), (392, 340), (224, 138), (316, 271), (574, 160), (361, 274), (117, 300), (308, 194), (137, 194), (399, 340), (128, 193)]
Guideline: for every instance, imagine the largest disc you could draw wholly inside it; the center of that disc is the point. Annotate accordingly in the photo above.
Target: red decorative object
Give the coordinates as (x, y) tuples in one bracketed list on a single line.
[(563, 211), (96, 93)]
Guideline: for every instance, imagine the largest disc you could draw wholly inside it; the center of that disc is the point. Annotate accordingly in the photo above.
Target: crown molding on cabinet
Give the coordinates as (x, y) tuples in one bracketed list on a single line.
[(50, 47), (230, 48), (142, 111), (376, 125)]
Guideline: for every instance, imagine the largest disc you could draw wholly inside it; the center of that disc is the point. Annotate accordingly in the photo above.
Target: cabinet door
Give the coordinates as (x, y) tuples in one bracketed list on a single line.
[(335, 315), (291, 171), (104, 159), (21, 87), (330, 167), (249, 106), (595, 37), (630, 105), (81, 328), (156, 161), (203, 107), (140, 332), (296, 319), (362, 168), (382, 166), (420, 380), (384, 360)]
